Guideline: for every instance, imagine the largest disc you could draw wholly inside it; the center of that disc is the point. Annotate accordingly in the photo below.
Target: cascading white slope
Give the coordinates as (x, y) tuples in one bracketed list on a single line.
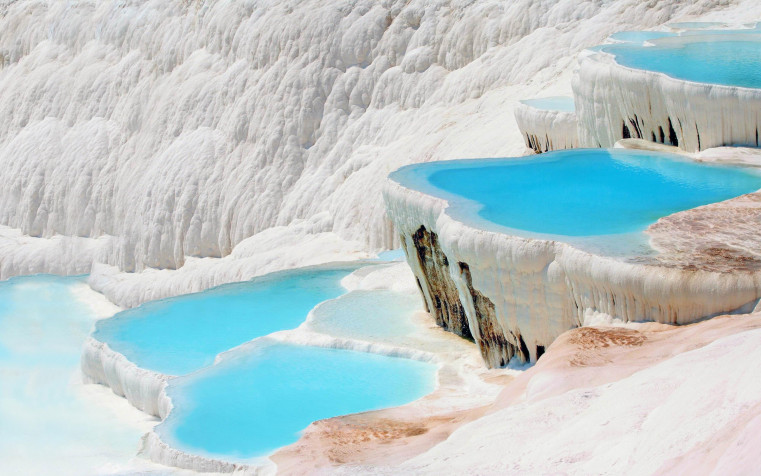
[(182, 128)]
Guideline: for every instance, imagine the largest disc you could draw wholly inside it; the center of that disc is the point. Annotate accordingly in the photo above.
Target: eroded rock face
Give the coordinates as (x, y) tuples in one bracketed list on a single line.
[(445, 303), (495, 349), (442, 298)]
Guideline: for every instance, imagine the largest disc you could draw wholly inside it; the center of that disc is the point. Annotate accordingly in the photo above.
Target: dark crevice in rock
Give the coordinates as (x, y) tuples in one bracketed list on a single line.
[(634, 128), (534, 143), (662, 135), (539, 351), (697, 131), (523, 349), (625, 131), (495, 349), (447, 308), (635, 125), (654, 139), (672, 135)]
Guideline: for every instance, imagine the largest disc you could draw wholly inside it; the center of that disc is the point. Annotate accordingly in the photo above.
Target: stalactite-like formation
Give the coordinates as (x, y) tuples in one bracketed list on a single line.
[(445, 303)]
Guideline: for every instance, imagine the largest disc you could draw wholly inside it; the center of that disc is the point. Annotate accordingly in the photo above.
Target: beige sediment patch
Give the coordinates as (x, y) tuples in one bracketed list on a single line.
[(391, 436), (720, 237), (587, 338), (380, 438), (589, 341), (498, 378)]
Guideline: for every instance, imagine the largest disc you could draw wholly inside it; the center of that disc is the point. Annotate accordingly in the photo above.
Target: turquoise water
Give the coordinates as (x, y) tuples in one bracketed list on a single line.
[(726, 58), (41, 310), (377, 315), (555, 103), (577, 192), (251, 404), (392, 255), (178, 335), (49, 423)]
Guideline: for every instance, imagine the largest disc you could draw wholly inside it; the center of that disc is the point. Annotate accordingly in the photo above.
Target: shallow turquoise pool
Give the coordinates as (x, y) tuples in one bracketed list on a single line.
[(392, 255), (378, 315), (584, 192), (555, 103), (50, 422), (178, 335), (251, 404), (730, 58)]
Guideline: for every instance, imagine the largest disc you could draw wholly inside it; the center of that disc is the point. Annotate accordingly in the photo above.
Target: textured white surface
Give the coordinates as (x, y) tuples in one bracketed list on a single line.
[(545, 130), (657, 107), (665, 419), (542, 288), (302, 243), (194, 135), (23, 255), (155, 449), (182, 128), (142, 388)]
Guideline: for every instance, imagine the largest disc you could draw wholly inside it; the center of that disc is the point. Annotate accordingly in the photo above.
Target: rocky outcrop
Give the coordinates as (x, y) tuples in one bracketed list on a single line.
[(441, 299), (442, 296), (494, 346)]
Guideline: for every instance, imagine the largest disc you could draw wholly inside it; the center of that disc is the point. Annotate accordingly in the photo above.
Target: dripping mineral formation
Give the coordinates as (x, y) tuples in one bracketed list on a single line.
[(515, 292)]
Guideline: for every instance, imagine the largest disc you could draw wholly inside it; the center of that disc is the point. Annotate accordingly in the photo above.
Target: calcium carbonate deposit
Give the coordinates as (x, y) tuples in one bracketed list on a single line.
[(164, 147), (180, 129)]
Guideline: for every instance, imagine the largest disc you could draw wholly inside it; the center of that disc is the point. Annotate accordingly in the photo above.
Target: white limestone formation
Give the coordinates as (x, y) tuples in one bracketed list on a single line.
[(544, 130), (515, 295), (616, 102), (24, 255), (153, 448), (142, 388), (180, 129)]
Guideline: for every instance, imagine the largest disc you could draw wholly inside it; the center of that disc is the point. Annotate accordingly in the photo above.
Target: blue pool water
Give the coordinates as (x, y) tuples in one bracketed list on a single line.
[(392, 255), (555, 103), (249, 405), (50, 423), (726, 58), (581, 192), (178, 335), (377, 315)]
